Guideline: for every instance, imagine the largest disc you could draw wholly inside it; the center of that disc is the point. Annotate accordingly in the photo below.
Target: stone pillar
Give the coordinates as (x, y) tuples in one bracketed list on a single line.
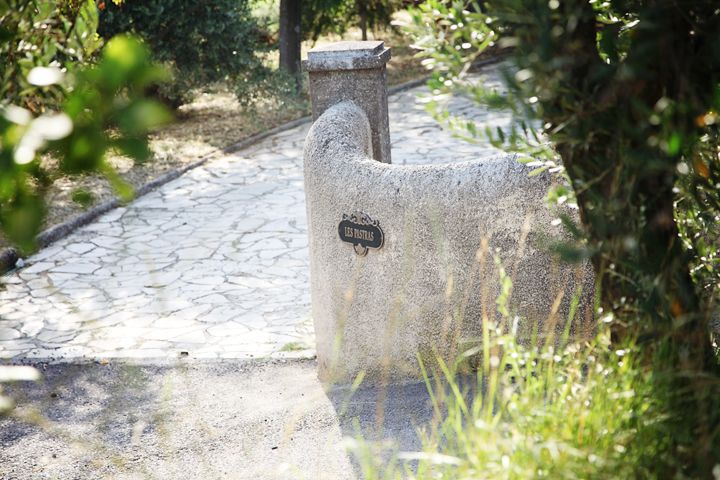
[(353, 71)]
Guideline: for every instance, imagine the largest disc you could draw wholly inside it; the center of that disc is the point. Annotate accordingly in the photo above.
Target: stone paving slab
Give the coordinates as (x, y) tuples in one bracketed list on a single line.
[(211, 265)]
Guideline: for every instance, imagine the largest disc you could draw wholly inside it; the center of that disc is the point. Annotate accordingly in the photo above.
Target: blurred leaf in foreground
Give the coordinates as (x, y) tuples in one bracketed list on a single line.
[(104, 108)]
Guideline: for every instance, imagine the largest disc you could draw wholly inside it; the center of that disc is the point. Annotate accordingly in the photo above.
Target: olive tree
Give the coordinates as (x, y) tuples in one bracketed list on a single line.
[(621, 97)]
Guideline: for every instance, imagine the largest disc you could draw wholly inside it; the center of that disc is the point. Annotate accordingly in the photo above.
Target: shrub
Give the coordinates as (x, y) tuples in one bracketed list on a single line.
[(202, 42), (102, 109), (621, 97), (43, 33), (320, 17), (594, 94)]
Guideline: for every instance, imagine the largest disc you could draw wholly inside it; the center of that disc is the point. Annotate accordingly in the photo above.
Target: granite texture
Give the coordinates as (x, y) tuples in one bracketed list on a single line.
[(349, 55), (353, 71), (427, 289)]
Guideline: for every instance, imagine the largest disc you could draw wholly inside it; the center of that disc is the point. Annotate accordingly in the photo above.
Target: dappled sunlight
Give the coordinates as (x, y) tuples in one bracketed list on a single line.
[(211, 266), (217, 120), (214, 264), (186, 420), (359, 239)]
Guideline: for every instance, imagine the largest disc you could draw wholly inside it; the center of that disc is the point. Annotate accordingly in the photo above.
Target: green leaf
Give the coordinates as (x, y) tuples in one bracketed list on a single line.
[(608, 42), (674, 144), (125, 53), (122, 188), (82, 197), (135, 148), (538, 171), (86, 25), (141, 116), (21, 220)]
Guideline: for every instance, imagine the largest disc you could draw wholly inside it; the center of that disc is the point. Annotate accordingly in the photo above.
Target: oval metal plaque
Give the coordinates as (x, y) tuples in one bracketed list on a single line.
[(361, 231)]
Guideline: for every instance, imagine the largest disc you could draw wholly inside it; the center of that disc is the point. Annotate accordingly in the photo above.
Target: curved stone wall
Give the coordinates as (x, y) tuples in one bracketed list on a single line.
[(428, 287)]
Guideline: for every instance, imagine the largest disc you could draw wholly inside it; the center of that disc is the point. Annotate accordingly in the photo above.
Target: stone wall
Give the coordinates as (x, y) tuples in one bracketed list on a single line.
[(434, 279)]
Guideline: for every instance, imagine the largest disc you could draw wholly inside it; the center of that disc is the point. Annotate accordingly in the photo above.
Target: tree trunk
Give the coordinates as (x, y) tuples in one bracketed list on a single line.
[(362, 12), (627, 208), (290, 38)]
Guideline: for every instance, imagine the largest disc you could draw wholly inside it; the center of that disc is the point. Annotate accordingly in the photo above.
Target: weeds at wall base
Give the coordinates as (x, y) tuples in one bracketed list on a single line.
[(556, 409)]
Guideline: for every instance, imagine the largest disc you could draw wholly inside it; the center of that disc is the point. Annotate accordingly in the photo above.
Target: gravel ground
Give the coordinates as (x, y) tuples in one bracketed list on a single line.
[(239, 420)]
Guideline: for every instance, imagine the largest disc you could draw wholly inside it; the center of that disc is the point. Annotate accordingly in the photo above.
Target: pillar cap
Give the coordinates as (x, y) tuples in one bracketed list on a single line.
[(347, 56)]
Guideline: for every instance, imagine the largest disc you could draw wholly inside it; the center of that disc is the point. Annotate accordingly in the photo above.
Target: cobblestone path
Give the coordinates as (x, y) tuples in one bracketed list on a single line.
[(211, 265)]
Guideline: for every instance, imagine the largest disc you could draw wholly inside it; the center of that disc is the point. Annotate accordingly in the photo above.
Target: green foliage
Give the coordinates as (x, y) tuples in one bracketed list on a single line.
[(46, 33), (82, 197), (606, 114), (619, 99), (322, 17), (107, 97), (293, 347), (331, 17), (571, 411), (201, 42), (557, 408), (697, 213)]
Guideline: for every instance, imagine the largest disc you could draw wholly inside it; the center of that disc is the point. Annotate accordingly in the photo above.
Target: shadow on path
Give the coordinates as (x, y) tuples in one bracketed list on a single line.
[(245, 420)]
